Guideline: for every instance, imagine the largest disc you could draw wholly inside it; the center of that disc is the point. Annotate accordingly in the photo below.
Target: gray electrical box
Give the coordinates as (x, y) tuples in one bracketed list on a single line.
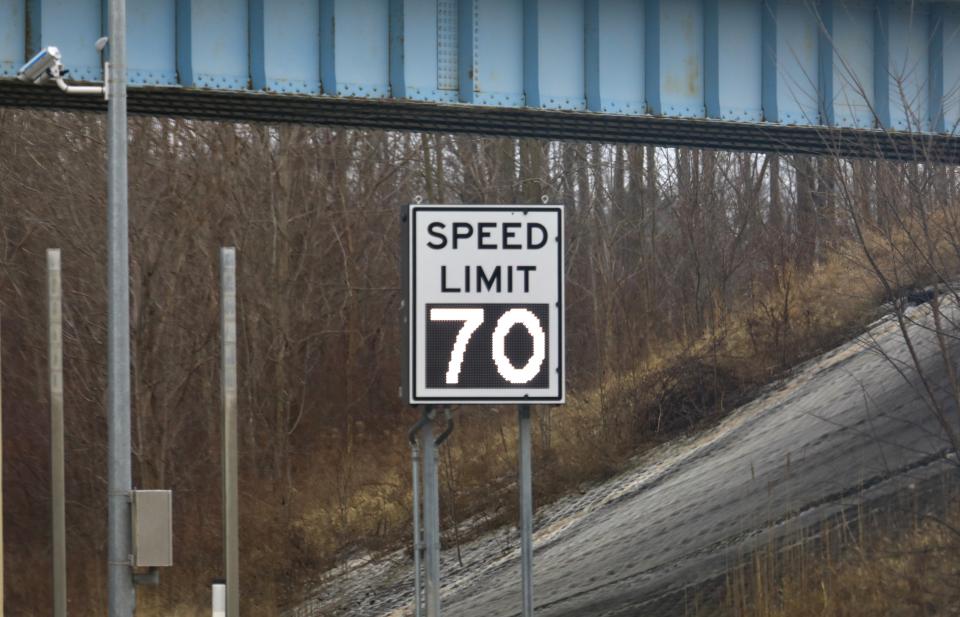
[(152, 513)]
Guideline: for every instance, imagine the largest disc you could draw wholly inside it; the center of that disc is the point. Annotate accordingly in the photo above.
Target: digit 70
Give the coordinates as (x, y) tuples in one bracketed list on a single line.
[(472, 319)]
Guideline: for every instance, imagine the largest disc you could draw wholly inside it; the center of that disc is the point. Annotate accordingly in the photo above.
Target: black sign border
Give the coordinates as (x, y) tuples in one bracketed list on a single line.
[(411, 295)]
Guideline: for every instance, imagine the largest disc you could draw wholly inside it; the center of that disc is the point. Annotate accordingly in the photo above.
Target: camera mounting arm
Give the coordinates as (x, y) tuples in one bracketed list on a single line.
[(56, 72)]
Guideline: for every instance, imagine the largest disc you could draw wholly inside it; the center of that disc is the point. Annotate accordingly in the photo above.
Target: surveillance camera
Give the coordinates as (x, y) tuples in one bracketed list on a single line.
[(46, 66), (42, 67)]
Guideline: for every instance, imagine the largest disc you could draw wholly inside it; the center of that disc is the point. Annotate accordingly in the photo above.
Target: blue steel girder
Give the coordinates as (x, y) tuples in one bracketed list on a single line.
[(865, 76)]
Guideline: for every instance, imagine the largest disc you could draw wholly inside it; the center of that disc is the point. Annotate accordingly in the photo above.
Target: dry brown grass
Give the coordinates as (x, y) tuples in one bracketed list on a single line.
[(898, 566)]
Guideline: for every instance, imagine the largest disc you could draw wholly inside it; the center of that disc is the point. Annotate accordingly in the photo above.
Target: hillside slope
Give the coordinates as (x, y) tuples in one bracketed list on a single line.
[(843, 429)]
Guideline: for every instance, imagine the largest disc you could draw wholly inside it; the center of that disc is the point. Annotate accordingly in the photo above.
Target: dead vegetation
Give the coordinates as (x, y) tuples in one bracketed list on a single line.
[(693, 278), (897, 564), (897, 558)]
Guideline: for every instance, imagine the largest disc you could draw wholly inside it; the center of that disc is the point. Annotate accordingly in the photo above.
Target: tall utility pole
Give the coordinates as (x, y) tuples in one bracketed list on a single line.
[(119, 472), (57, 488)]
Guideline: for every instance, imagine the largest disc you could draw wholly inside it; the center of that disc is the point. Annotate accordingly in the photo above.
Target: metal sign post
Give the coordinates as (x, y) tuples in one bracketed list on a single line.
[(417, 544), (526, 510), (228, 342), (417, 580), (57, 490), (483, 317), (431, 517)]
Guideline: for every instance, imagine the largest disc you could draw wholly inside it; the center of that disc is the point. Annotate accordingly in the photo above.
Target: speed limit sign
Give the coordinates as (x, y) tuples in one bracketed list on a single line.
[(484, 304)]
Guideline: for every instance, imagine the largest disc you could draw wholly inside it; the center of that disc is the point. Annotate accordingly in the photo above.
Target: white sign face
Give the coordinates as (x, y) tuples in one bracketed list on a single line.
[(484, 304)]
